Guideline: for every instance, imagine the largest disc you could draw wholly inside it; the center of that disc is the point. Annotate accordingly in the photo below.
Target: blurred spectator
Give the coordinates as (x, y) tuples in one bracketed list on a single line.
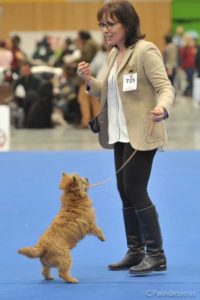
[(66, 95), (6, 55), (25, 90), (43, 51), (178, 41), (71, 59), (18, 55), (170, 57), (5, 62), (89, 106), (180, 78), (197, 61), (88, 46), (68, 49), (40, 112), (187, 63), (178, 37), (99, 60)]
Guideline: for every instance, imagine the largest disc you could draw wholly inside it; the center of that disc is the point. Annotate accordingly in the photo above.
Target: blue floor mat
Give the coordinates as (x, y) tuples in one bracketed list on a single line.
[(30, 198)]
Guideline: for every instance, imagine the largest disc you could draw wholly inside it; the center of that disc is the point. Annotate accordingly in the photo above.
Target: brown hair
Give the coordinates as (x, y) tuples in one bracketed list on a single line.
[(126, 15)]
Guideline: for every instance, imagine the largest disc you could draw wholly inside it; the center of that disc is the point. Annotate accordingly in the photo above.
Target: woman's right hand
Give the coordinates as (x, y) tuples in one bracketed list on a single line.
[(84, 71)]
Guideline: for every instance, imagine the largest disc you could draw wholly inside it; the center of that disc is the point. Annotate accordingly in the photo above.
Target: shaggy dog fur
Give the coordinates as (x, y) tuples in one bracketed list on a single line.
[(75, 220)]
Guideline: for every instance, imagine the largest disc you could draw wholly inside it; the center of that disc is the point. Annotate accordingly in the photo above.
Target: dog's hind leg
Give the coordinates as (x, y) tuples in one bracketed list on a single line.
[(64, 267), (46, 273), (96, 231)]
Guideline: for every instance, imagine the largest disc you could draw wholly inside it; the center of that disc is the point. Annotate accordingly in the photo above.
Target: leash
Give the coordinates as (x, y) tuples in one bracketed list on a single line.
[(150, 130)]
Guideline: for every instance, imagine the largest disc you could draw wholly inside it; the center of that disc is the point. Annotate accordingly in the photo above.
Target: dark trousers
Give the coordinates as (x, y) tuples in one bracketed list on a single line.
[(133, 179), (189, 74)]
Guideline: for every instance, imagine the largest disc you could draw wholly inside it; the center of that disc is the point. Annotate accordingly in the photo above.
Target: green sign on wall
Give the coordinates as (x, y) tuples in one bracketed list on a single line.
[(187, 14)]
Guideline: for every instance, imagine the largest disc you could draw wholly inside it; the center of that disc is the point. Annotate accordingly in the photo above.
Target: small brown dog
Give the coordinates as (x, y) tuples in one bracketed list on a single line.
[(75, 220)]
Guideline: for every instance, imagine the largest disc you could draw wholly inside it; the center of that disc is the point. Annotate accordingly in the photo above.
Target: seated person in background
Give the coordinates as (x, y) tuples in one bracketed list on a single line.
[(39, 115), (43, 51), (6, 58), (19, 56), (67, 50), (6, 55), (66, 96), (25, 90)]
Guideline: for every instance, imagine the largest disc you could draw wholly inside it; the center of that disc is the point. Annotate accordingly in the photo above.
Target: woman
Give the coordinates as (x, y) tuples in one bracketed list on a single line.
[(188, 56), (170, 57), (136, 96)]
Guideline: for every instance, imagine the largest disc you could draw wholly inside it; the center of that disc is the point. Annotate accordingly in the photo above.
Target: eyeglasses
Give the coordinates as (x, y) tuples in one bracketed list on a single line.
[(108, 25)]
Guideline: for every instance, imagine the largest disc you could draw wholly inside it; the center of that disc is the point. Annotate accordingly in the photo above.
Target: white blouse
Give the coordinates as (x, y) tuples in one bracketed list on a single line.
[(117, 129)]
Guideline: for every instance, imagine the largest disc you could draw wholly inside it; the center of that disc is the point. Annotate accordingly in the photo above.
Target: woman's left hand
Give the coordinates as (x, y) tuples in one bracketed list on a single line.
[(158, 114)]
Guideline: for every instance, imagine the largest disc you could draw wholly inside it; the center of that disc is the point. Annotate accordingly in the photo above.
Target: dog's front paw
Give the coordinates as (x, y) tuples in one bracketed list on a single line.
[(73, 280), (102, 237), (67, 278), (70, 279)]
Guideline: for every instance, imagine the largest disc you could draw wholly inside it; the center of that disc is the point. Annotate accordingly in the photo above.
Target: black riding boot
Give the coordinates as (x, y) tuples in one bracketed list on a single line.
[(154, 259), (135, 253)]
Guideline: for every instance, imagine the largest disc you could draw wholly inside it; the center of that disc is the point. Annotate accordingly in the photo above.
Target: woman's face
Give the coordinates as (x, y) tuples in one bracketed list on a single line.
[(114, 32)]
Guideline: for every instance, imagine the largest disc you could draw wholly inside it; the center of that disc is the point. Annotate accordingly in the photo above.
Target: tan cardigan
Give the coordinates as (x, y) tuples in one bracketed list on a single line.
[(153, 88)]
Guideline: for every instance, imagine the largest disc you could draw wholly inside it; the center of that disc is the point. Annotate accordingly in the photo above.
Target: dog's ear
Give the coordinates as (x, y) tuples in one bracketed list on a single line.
[(74, 181)]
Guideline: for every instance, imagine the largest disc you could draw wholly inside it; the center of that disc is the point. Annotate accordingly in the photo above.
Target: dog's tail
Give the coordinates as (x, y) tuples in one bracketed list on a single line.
[(32, 252)]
